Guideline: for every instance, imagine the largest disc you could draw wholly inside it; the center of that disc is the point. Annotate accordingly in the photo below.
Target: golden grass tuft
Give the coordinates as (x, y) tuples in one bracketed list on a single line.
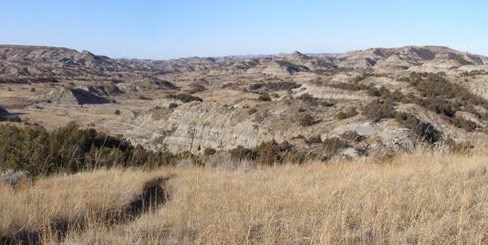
[(419, 198), (67, 200)]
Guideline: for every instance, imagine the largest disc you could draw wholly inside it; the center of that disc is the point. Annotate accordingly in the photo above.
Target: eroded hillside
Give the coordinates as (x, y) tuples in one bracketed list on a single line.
[(360, 103)]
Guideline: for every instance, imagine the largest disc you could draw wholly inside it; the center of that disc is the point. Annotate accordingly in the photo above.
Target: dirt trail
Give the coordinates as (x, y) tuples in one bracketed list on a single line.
[(152, 196)]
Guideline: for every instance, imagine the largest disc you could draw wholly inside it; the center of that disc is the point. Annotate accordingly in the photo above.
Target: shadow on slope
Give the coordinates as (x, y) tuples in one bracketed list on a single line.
[(152, 196)]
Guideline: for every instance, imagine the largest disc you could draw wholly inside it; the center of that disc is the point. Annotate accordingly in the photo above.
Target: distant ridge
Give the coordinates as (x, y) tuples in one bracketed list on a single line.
[(23, 62)]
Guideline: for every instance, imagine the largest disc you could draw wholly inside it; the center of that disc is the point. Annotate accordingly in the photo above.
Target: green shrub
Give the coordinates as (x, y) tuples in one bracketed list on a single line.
[(307, 120), (309, 99), (252, 111), (195, 88), (333, 145), (458, 148), (306, 97), (379, 109), (352, 136), (386, 94), (268, 153), (70, 149), (467, 125), (354, 86), (209, 151), (328, 103), (143, 97), (241, 153), (185, 98), (426, 131), (342, 115), (264, 97), (15, 119), (374, 92), (348, 114), (473, 73), (273, 153), (274, 86), (379, 92), (195, 160), (172, 106), (255, 86)]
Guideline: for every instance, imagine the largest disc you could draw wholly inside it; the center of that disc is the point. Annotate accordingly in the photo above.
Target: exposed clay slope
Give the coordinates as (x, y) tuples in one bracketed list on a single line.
[(72, 96), (410, 56)]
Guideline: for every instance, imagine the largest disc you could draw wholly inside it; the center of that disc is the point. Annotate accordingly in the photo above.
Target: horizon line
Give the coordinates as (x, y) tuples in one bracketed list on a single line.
[(229, 55)]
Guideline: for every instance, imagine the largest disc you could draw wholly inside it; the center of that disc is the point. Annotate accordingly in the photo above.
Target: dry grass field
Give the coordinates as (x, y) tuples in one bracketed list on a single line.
[(410, 199)]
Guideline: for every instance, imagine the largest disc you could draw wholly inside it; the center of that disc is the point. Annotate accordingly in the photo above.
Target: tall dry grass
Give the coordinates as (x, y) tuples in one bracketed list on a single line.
[(412, 199), (67, 200), (419, 198)]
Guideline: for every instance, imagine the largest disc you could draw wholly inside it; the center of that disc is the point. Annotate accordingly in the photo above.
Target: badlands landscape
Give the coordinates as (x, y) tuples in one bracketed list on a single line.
[(321, 106), (383, 145)]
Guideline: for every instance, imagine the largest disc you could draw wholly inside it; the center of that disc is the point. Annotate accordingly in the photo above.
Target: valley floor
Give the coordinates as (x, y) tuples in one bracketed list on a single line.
[(408, 199)]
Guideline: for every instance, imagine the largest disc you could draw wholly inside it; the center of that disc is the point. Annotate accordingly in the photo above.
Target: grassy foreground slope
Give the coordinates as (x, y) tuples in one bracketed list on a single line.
[(411, 199)]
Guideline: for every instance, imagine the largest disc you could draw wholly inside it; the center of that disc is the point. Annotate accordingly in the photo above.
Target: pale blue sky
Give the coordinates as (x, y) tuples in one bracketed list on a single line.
[(182, 28)]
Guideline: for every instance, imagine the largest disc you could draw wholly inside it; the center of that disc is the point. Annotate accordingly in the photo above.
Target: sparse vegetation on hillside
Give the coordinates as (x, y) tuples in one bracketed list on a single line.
[(70, 149), (291, 67), (268, 153), (347, 114), (185, 98), (473, 73), (314, 139), (209, 151), (309, 99), (435, 94), (308, 120), (379, 109), (424, 130), (444, 97), (465, 124), (264, 97), (143, 97), (352, 136), (274, 86), (351, 86), (195, 88), (333, 145)]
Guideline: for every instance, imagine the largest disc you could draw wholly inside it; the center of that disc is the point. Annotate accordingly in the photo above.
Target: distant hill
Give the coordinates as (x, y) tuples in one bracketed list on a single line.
[(46, 64), (409, 56)]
